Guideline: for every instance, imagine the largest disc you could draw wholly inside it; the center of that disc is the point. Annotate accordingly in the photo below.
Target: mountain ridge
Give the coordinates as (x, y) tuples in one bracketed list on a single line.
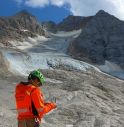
[(101, 40), (19, 27)]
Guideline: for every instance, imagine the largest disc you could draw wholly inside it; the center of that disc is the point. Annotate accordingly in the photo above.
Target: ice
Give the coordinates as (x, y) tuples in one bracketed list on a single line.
[(21, 63), (49, 53), (66, 34)]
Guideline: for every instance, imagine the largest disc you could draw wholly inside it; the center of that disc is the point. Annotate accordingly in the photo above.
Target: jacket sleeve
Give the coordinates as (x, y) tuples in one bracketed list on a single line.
[(38, 100)]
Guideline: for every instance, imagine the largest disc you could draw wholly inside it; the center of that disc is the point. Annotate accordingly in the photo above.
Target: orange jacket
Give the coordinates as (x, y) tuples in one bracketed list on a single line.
[(30, 102)]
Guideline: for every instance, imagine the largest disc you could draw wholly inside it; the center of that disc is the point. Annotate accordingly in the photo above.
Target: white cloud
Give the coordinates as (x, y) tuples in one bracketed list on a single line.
[(58, 2), (90, 7), (119, 8), (37, 3), (83, 7)]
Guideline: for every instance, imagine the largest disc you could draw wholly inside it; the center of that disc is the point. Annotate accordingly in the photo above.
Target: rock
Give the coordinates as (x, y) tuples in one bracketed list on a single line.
[(102, 39), (84, 99), (73, 23), (18, 27), (50, 26), (70, 23)]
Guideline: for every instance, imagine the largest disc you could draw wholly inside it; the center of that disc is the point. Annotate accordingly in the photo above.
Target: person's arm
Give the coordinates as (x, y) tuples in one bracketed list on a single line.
[(41, 107)]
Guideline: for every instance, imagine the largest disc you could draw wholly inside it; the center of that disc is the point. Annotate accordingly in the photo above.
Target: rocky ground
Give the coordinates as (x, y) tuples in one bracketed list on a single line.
[(87, 98), (84, 99)]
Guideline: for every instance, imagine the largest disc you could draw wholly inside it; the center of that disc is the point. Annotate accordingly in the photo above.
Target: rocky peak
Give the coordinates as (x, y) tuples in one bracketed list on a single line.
[(68, 24), (102, 12), (25, 16), (105, 17), (19, 26), (23, 13), (71, 17), (102, 39), (73, 23), (50, 26)]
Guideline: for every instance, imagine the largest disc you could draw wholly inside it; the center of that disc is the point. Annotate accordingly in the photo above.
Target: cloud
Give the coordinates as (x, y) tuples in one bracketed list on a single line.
[(37, 3), (83, 7), (58, 2), (91, 7)]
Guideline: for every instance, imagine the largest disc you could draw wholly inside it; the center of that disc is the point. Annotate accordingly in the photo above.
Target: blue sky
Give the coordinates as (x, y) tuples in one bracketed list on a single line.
[(56, 10), (53, 13)]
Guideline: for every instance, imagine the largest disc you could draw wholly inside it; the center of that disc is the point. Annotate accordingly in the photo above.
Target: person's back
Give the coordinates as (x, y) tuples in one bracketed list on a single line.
[(30, 102), (23, 101)]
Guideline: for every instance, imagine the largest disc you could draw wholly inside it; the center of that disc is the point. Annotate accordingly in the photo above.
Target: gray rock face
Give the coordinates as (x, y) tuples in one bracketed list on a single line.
[(102, 39), (70, 23), (19, 26), (28, 21), (73, 23), (50, 26)]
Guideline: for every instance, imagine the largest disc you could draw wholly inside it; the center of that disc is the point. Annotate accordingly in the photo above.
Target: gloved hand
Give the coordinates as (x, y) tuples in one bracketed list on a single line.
[(52, 101)]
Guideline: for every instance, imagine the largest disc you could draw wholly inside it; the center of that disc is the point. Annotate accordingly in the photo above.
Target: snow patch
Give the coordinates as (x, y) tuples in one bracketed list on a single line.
[(28, 43), (69, 125), (67, 34), (24, 30), (113, 69)]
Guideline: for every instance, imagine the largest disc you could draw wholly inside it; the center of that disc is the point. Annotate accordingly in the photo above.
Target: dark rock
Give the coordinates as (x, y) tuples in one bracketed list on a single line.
[(70, 23), (73, 23), (50, 26), (102, 39)]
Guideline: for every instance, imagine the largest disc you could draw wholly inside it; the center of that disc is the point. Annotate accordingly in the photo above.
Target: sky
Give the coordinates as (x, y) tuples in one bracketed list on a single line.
[(56, 10)]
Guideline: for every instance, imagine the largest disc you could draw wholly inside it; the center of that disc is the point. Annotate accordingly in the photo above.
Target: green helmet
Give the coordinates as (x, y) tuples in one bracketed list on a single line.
[(37, 74)]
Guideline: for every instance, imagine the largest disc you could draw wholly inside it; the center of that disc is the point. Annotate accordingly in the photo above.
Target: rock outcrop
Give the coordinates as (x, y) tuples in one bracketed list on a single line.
[(49, 26), (18, 27), (102, 39), (73, 23), (70, 23)]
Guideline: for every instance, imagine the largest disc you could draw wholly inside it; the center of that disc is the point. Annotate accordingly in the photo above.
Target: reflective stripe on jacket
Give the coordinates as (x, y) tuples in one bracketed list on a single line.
[(26, 95)]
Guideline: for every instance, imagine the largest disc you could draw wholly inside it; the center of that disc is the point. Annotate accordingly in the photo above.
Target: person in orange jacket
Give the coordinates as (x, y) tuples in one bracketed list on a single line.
[(30, 103)]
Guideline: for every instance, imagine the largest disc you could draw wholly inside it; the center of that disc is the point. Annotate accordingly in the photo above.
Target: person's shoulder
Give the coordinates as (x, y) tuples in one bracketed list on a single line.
[(22, 84), (36, 90), (19, 84)]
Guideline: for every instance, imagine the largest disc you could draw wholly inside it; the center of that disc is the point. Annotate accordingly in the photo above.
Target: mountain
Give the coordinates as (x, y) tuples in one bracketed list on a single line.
[(70, 23), (18, 27), (102, 39), (85, 96), (73, 23)]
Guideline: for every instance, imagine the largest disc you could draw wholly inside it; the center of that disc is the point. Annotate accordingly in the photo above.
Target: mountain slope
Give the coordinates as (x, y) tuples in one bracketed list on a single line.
[(84, 99), (19, 27), (70, 23), (73, 23), (102, 39)]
